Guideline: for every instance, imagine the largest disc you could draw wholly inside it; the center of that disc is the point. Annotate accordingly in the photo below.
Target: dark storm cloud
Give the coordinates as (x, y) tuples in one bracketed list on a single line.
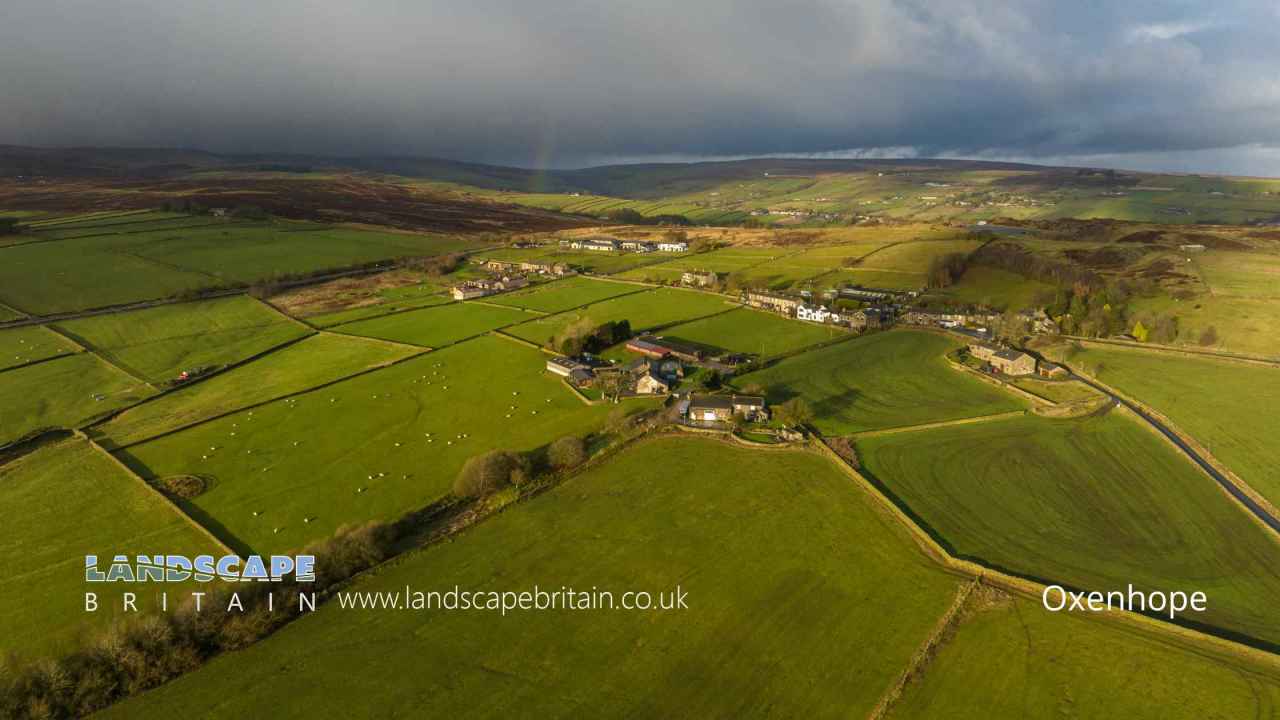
[(563, 81)]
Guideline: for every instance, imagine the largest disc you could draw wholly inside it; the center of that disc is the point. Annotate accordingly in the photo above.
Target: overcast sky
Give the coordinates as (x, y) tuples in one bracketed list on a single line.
[(1147, 85)]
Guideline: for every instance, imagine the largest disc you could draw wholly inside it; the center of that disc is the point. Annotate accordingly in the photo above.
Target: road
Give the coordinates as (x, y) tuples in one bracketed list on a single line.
[(1253, 507)]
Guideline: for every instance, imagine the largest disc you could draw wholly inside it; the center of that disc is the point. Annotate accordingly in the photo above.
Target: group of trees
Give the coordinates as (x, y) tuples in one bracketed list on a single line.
[(584, 335), (439, 265), (497, 470), (946, 269), (142, 652)]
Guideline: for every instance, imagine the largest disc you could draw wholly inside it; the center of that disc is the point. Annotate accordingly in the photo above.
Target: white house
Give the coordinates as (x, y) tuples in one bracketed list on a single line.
[(813, 313), (673, 246)]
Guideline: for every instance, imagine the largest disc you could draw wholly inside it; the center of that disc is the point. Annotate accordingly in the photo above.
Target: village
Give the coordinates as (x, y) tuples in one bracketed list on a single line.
[(671, 367)]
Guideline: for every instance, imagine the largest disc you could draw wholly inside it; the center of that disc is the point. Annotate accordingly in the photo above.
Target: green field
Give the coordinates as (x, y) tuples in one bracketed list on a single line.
[(1232, 408), (1014, 660), (1240, 274), (63, 393), (883, 380), (159, 343), (7, 313), (306, 457), (438, 326), (751, 331), (644, 311), (62, 502), (1058, 391), (995, 288), (1094, 503), (306, 364), (19, 346), (562, 295), (790, 574), (116, 268)]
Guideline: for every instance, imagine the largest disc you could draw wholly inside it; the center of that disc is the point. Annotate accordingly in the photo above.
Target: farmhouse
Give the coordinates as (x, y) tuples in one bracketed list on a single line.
[(500, 266), (673, 246), (1012, 362), (720, 408), (983, 351), (651, 384), (934, 317), (698, 278), (865, 319), (469, 290), (479, 288), (770, 301)]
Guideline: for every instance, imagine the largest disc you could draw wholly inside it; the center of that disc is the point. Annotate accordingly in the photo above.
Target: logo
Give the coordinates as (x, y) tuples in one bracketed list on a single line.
[(201, 568)]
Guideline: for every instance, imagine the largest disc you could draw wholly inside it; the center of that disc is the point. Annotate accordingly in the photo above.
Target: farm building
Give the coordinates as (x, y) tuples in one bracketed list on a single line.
[(1012, 362), (698, 278), (656, 347), (565, 366), (480, 288), (720, 408), (673, 246), (770, 301), (639, 246), (596, 244), (1053, 371), (469, 290)]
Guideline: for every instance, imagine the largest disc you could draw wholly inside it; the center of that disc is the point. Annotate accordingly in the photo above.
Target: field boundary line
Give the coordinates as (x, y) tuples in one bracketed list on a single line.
[(252, 406), (42, 360), (919, 661), (940, 424), (1248, 358), (102, 355), (177, 509), (479, 301), (1185, 637), (528, 343), (383, 341)]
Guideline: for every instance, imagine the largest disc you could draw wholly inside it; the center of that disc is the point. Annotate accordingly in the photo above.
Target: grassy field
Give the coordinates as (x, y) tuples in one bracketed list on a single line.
[(20, 346), (306, 364), (883, 380), (794, 626), (564, 295), (1014, 660), (751, 331), (396, 432), (121, 267), (644, 311), (1095, 503), (7, 313), (1240, 274), (995, 288), (605, 263), (159, 343), (63, 393), (1058, 391), (1231, 408), (62, 502), (437, 326)]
